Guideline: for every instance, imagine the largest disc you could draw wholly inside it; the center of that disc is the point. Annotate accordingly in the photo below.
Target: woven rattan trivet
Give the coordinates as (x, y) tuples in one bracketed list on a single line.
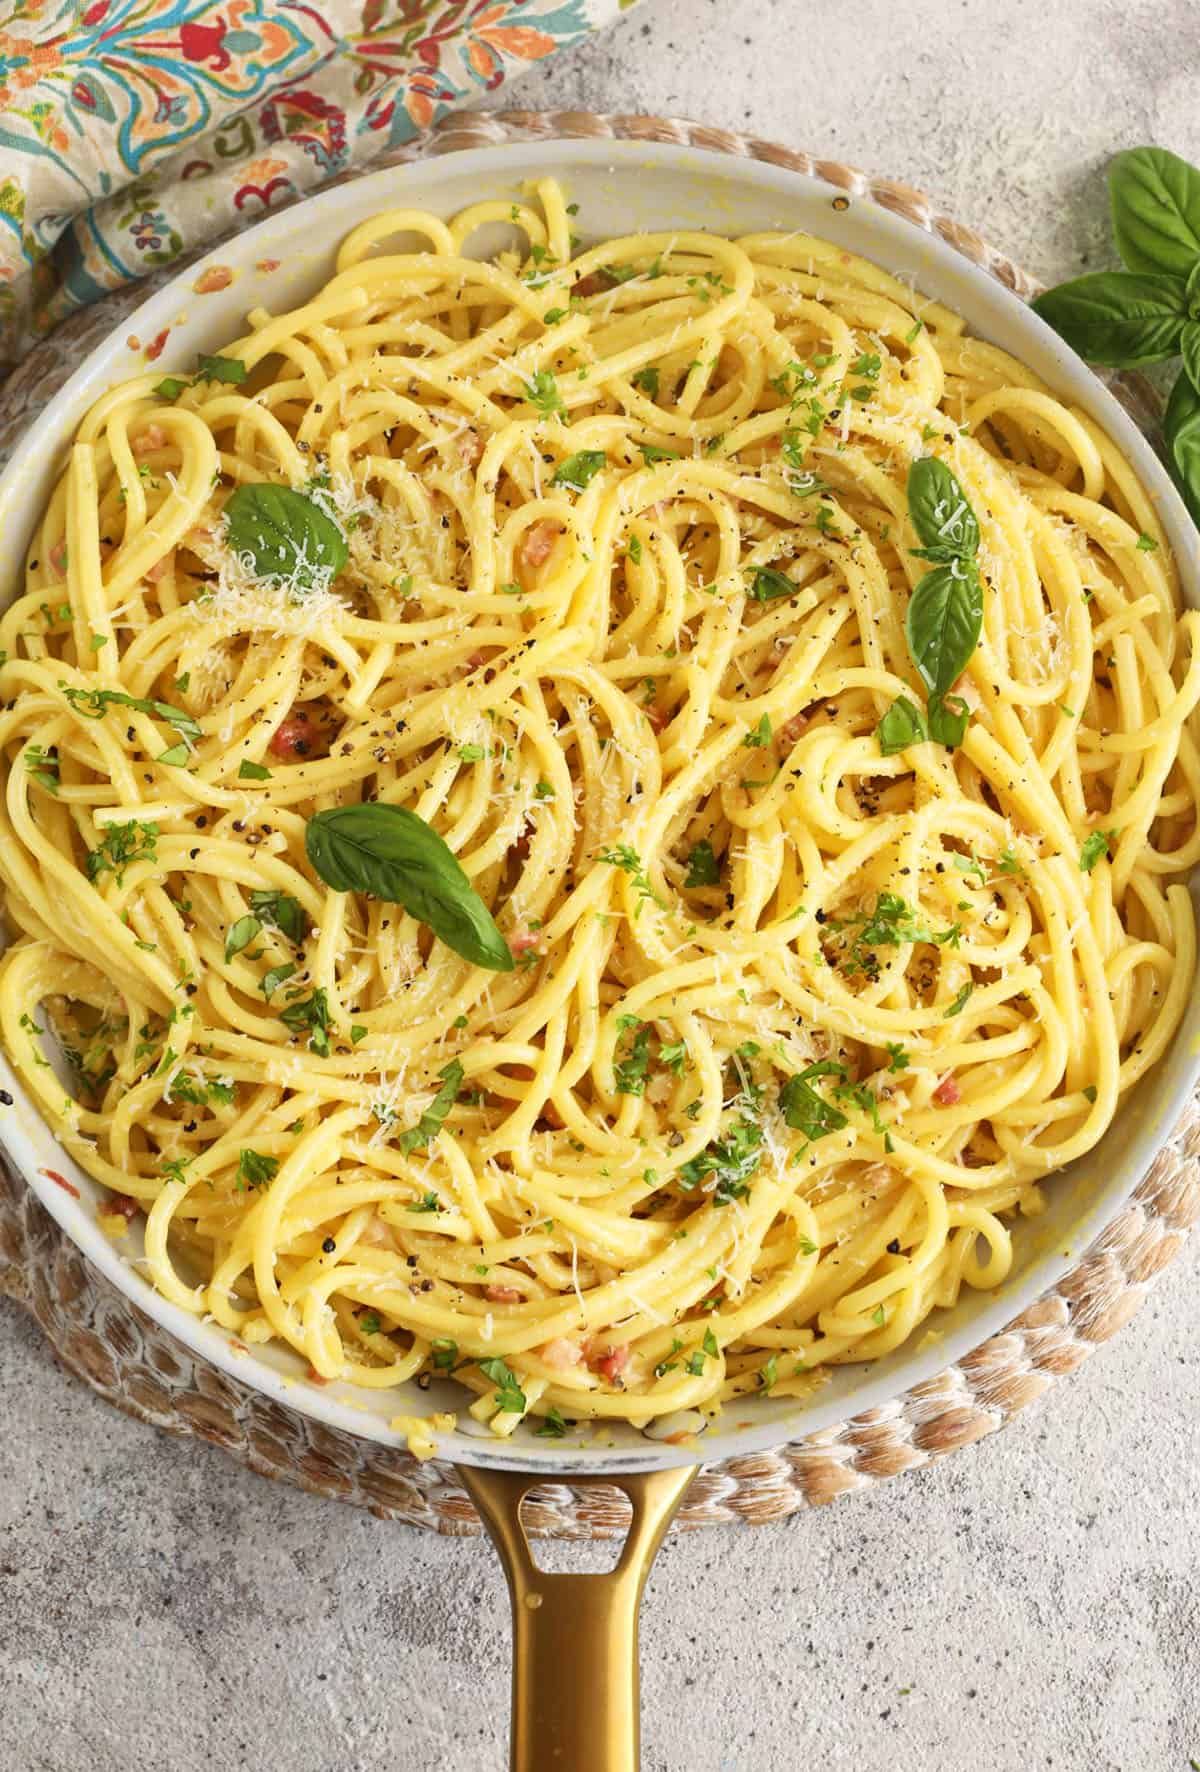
[(133, 1363)]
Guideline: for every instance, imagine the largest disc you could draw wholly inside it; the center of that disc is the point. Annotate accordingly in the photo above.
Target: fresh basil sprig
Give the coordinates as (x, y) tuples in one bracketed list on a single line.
[(945, 611), (1151, 310), (1119, 318), (286, 536), (1155, 210), (390, 852)]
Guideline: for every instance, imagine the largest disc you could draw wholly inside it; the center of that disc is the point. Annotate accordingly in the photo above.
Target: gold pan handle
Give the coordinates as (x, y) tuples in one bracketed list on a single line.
[(575, 1637)]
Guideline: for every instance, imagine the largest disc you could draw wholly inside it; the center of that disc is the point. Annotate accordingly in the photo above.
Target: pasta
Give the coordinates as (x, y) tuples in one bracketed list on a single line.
[(597, 560)]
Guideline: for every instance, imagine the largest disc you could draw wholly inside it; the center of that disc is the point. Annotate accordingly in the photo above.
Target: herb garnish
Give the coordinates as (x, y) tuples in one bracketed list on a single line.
[(430, 1123), (623, 856), (279, 910), (767, 585), (579, 470), (803, 1109), (891, 922), (1094, 846), (310, 1014), (287, 537), (227, 369), (120, 846), (945, 611), (93, 704), (702, 866), (509, 1397), (1151, 310), (730, 1161), (390, 852), (542, 392), (255, 1170)]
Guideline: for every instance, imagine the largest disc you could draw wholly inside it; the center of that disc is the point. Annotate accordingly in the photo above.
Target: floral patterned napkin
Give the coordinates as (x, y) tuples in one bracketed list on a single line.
[(132, 130)]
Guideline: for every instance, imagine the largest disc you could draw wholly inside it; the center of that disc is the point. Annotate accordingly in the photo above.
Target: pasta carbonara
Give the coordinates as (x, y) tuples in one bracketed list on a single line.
[(600, 563)]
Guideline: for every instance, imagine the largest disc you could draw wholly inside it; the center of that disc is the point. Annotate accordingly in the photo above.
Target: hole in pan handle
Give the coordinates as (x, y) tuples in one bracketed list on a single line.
[(575, 1637)]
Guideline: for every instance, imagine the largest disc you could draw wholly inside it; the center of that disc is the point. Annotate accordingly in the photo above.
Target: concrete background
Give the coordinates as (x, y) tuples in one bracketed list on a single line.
[(1033, 1602)]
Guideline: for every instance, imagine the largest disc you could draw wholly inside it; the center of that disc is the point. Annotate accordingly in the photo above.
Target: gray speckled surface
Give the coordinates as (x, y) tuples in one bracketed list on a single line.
[(1033, 1602)]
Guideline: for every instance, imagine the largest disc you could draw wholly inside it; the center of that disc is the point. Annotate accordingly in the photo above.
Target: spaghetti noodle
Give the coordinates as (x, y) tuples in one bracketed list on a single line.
[(796, 1022)]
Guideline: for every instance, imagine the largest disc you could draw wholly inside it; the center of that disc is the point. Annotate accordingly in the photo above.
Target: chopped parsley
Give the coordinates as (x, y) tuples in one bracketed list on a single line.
[(623, 856), (510, 1398), (758, 735), (121, 846), (1093, 848), (703, 868), (542, 392), (891, 922), (199, 1091), (729, 1161), (631, 1073), (255, 1170), (579, 470)]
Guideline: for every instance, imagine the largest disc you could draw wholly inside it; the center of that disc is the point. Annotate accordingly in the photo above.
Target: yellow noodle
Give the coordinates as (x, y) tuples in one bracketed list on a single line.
[(573, 685)]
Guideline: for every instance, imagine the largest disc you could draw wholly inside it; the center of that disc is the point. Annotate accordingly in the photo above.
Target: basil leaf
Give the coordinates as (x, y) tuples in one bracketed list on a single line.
[(940, 511), (287, 536), (170, 387), (417, 1137), (95, 703), (279, 910), (767, 585), (943, 624), (389, 851), (229, 369), (902, 725), (1155, 210), (947, 722), (1189, 350), (241, 935), (580, 469), (1181, 431), (271, 981), (1121, 318)]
